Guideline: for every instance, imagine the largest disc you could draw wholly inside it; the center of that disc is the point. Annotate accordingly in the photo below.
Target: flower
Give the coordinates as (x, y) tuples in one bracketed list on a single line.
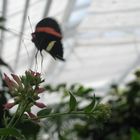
[(34, 78), (31, 115), (39, 90), (36, 74), (25, 90), (16, 78), (10, 83), (9, 105), (40, 105)]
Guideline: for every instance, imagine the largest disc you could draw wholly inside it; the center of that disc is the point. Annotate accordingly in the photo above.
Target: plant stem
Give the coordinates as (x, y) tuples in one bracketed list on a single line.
[(64, 113), (12, 120), (21, 113)]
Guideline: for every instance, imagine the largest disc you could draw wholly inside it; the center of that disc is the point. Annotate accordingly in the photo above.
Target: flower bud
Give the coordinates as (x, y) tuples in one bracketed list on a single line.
[(9, 105), (11, 84), (40, 105), (31, 115), (32, 72), (16, 78), (39, 90), (36, 74)]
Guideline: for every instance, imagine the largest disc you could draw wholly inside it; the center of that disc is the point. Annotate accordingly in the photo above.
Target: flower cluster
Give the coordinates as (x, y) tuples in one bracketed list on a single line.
[(25, 90)]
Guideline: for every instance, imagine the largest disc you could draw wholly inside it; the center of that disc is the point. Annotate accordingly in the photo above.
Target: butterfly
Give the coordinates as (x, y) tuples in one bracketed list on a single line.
[(48, 37)]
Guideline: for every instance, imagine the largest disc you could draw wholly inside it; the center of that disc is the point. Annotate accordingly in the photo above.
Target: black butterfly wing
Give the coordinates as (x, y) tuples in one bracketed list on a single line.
[(49, 22), (57, 51)]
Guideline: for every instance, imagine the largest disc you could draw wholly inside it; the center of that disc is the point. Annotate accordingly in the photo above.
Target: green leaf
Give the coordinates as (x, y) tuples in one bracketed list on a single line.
[(49, 88), (11, 132), (44, 112), (135, 135), (61, 137), (61, 87), (2, 28), (82, 91), (72, 102), (2, 19), (90, 107)]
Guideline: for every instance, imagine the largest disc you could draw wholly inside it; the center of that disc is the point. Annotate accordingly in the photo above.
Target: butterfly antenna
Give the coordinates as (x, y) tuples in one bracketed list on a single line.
[(30, 24), (16, 33)]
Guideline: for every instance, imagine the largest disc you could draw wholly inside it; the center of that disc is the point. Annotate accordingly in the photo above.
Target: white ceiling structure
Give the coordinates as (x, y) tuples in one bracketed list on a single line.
[(101, 39)]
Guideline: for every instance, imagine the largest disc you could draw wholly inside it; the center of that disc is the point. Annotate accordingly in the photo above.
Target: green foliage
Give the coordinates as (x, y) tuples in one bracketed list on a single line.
[(76, 89), (2, 19), (72, 102), (91, 106), (135, 135), (11, 132), (93, 112), (125, 115), (44, 112), (29, 129)]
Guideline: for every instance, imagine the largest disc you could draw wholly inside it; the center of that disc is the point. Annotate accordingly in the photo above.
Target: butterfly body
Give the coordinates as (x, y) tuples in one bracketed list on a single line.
[(48, 37)]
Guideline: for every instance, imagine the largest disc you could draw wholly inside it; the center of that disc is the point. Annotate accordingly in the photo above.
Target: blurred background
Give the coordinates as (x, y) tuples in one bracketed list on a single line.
[(100, 39)]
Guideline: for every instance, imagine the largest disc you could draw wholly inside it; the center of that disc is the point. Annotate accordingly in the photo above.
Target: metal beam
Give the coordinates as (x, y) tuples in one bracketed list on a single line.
[(4, 10), (132, 66), (21, 33), (47, 8), (68, 10)]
